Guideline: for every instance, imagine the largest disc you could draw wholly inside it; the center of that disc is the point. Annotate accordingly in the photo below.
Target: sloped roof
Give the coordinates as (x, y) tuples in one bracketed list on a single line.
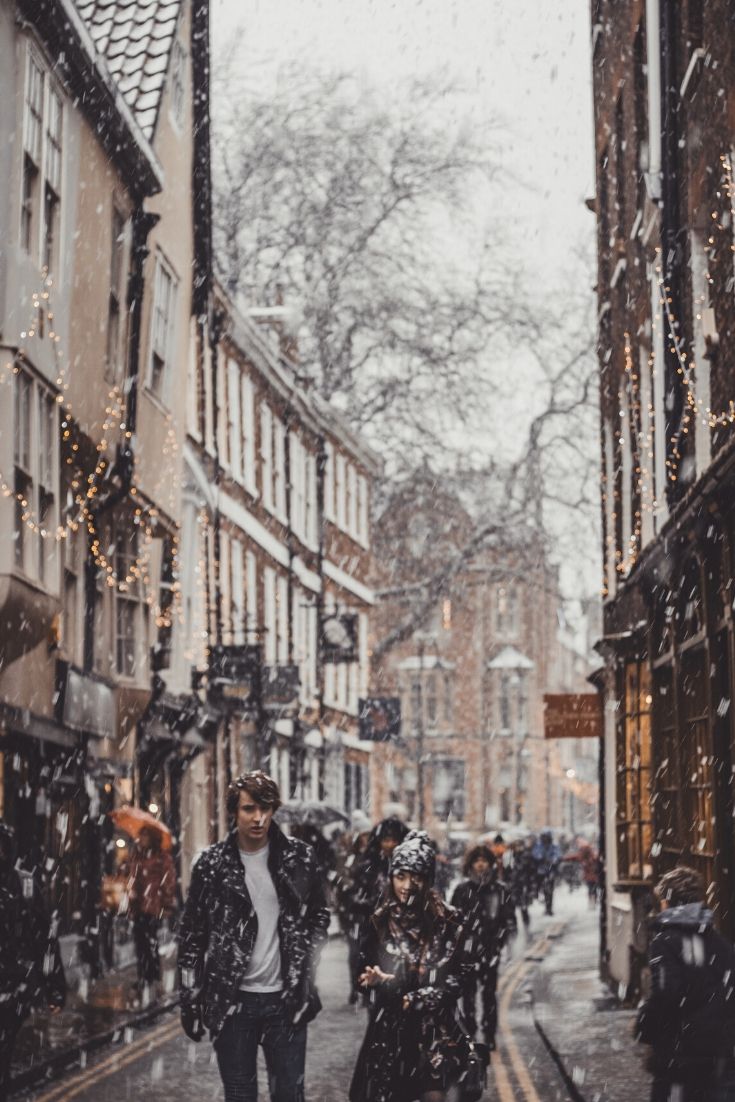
[(510, 659), (134, 37)]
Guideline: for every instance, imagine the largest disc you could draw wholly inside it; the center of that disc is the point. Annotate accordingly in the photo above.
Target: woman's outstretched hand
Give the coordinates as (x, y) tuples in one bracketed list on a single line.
[(372, 976)]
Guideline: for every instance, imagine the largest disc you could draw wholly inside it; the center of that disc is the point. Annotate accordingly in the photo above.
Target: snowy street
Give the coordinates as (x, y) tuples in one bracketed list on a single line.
[(160, 1064)]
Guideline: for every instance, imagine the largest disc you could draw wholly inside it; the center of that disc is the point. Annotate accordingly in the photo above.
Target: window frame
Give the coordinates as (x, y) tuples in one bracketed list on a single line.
[(329, 481), (128, 599), (247, 400), (634, 771), (163, 271), (36, 474), (279, 470), (234, 419), (42, 168), (115, 357), (266, 456)]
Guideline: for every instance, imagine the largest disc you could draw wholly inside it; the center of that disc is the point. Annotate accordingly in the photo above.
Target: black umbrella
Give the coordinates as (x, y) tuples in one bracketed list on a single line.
[(311, 811)]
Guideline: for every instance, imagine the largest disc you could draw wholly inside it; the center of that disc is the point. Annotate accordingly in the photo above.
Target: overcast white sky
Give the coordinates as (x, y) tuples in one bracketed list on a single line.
[(527, 61)]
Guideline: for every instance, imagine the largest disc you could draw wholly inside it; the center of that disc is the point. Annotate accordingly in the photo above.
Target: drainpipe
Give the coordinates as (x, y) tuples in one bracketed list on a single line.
[(653, 61), (215, 335), (321, 467)]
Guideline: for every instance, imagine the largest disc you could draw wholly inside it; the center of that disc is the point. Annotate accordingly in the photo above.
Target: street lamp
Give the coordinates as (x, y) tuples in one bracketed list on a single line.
[(421, 639)]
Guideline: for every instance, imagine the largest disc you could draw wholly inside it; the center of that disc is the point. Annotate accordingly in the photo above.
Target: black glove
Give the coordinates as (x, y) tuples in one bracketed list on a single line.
[(191, 1022)]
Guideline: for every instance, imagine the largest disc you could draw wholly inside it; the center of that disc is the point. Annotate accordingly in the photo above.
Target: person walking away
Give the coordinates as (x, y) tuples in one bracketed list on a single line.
[(346, 888), (689, 1016), (547, 856), (31, 972), (254, 922), (590, 864), (486, 907), (522, 878), (414, 965), (152, 894)]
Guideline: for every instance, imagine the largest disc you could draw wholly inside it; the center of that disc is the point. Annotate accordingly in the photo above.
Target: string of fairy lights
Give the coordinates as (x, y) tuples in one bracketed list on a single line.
[(121, 569), (696, 411)]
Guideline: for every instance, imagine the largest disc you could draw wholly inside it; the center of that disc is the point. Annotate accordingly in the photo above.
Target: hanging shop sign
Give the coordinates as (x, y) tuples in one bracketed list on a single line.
[(282, 690), (234, 674), (339, 637), (380, 718), (572, 715), (84, 702)]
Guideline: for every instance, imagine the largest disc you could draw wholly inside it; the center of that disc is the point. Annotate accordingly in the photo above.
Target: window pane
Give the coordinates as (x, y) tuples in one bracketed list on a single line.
[(53, 137), (33, 120), (23, 421), (126, 616)]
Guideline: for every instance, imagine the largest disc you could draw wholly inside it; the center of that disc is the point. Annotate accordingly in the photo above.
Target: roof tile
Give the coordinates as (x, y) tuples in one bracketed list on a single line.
[(135, 38)]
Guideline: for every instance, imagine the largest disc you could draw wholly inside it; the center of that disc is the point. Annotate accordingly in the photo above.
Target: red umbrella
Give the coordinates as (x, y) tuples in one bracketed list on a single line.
[(134, 819)]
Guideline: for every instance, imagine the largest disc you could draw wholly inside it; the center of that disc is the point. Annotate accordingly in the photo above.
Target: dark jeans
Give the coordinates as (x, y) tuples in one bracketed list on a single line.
[(713, 1083), (10, 1023), (353, 962), (487, 979), (145, 935), (260, 1019)]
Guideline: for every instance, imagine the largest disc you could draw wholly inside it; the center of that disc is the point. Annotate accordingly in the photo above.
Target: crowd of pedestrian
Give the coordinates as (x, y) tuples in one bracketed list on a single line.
[(425, 939), (424, 952)]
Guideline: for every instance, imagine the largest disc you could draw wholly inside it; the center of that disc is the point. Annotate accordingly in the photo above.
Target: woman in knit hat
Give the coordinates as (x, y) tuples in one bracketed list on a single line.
[(413, 967)]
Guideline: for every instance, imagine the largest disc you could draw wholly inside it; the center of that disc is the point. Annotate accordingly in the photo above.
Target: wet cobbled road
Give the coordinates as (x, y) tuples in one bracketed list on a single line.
[(159, 1063)]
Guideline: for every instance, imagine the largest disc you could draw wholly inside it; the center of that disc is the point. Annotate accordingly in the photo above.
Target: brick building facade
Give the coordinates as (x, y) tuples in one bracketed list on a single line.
[(180, 520), (664, 90), (471, 670)]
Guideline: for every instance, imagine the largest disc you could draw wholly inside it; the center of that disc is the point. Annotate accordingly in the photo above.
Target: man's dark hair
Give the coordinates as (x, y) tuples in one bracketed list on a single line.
[(475, 852), (679, 886), (257, 784)]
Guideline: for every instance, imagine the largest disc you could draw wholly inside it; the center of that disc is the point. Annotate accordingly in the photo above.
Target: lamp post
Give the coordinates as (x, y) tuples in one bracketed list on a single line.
[(421, 639)]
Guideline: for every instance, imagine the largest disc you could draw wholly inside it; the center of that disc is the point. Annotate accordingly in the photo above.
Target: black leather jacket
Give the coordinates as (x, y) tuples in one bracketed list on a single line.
[(488, 916), (219, 927), (689, 1016)]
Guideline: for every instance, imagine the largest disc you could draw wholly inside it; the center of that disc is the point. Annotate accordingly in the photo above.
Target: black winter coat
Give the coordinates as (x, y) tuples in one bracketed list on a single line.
[(689, 1017), (487, 915), (31, 971), (408, 1051), (219, 926)]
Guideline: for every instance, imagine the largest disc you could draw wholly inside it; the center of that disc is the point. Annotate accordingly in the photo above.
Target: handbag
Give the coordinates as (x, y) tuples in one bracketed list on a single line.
[(473, 1083)]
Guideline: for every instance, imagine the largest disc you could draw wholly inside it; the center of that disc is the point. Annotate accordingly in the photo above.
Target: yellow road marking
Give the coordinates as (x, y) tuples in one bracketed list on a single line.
[(119, 1057), (519, 1067), (500, 1072), (502, 1082), (125, 1059), (507, 988)]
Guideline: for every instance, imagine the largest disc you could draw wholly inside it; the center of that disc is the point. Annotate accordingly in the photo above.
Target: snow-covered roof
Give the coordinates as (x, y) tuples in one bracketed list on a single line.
[(510, 659), (425, 662), (134, 37)]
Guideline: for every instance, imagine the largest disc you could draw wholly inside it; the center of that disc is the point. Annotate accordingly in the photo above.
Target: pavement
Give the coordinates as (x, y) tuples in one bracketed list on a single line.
[(96, 1013), (587, 1032)]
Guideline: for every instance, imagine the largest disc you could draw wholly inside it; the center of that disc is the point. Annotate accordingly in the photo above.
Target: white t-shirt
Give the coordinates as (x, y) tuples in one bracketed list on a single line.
[(264, 968)]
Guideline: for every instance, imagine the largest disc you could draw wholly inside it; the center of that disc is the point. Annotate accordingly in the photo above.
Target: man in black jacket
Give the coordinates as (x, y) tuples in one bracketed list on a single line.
[(253, 923), (689, 1016), (31, 971), (488, 915)]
